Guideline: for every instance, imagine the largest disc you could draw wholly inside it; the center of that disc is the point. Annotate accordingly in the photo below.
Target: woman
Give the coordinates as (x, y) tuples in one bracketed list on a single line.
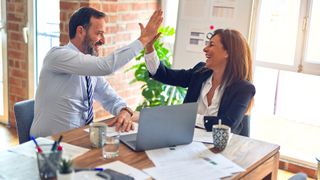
[(221, 86)]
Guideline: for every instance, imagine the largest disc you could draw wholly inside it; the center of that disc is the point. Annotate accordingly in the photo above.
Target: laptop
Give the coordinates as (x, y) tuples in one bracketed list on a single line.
[(163, 126)]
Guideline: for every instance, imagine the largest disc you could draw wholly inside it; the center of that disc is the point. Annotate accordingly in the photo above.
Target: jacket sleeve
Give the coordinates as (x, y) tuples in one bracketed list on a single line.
[(235, 110), (175, 77)]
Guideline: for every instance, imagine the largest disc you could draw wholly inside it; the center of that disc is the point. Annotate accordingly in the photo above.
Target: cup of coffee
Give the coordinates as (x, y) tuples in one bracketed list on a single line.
[(221, 135), (97, 133)]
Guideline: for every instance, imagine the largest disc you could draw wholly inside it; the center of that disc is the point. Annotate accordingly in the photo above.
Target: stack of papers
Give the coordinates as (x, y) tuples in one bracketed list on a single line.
[(190, 162)]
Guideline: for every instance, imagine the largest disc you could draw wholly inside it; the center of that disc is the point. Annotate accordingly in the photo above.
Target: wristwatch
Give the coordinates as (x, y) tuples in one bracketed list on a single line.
[(129, 110)]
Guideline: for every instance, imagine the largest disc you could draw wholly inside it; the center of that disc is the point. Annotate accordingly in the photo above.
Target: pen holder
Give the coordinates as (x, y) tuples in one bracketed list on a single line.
[(48, 161)]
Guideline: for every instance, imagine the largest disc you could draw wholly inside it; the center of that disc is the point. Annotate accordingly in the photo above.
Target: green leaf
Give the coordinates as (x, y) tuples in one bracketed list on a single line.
[(154, 92)]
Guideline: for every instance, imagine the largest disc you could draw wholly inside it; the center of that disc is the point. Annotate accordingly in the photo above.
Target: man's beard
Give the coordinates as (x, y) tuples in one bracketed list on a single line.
[(88, 47)]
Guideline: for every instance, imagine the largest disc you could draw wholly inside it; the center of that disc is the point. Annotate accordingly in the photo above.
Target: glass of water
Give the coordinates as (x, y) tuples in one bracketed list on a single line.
[(111, 143)]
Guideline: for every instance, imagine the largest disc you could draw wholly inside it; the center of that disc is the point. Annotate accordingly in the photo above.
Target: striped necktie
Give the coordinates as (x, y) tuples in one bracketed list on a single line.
[(90, 100)]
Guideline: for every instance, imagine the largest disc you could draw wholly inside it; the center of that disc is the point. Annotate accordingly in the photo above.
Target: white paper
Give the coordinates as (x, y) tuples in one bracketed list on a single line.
[(29, 149), (17, 166), (222, 162), (113, 132), (187, 170), (166, 156), (126, 169), (201, 135), (71, 151)]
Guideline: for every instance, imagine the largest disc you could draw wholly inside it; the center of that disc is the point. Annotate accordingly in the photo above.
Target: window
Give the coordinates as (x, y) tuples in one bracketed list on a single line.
[(3, 65), (287, 58), (44, 33), (47, 30)]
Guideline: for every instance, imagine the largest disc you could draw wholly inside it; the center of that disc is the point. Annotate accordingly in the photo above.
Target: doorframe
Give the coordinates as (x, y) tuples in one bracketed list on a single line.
[(5, 118), (31, 26)]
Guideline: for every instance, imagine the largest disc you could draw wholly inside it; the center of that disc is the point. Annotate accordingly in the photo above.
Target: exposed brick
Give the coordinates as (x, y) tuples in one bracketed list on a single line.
[(153, 5), (109, 8), (95, 5), (69, 5), (17, 36), (129, 17), (16, 54), (14, 17), (15, 45), (10, 7), (123, 7), (139, 6), (63, 17), (18, 73), (132, 26), (15, 81)]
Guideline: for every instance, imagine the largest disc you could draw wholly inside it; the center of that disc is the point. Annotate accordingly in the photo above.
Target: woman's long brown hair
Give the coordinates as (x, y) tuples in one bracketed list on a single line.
[(239, 63)]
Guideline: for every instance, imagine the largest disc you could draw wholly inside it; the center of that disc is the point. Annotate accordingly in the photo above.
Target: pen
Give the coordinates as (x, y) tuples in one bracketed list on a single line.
[(37, 145), (88, 169), (59, 140), (56, 143)]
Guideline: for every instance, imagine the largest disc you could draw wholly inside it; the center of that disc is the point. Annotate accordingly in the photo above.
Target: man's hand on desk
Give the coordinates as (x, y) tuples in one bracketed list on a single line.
[(123, 121)]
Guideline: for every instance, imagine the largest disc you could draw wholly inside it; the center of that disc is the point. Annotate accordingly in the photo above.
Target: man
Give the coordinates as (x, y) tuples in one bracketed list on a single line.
[(73, 74)]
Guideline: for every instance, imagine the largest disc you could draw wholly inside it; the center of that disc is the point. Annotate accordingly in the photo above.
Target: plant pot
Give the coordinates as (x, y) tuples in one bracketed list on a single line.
[(69, 176)]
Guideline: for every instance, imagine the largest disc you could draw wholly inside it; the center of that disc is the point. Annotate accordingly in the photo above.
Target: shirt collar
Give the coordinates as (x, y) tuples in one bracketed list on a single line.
[(72, 46)]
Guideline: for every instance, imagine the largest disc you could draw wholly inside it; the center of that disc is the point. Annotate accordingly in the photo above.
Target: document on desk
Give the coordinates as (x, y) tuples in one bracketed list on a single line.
[(201, 135), (28, 149), (17, 166), (121, 133), (187, 170), (166, 156), (187, 153)]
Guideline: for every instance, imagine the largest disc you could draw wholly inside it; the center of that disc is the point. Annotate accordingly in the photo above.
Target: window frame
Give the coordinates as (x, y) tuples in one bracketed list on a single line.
[(299, 63), (5, 117)]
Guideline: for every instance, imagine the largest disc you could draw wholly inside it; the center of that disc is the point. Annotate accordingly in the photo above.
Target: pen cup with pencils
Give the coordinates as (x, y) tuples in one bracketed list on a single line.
[(48, 160)]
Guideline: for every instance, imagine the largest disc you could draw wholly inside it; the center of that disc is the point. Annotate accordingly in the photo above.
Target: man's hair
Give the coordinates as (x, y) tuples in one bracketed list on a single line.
[(81, 17)]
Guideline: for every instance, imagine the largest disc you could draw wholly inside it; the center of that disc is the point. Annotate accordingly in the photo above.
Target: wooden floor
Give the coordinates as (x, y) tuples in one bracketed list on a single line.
[(8, 137)]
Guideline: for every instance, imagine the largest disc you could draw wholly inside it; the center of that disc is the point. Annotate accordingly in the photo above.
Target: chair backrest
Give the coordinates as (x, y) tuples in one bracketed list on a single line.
[(299, 176), (24, 112)]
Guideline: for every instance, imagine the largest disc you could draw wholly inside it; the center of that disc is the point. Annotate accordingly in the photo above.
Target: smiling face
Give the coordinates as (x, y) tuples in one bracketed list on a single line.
[(94, 36), (216, 54)]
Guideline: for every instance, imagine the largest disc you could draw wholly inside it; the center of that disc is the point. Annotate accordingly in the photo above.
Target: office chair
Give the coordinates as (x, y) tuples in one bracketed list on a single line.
[(246, 126), (299, 176), (24, 112)]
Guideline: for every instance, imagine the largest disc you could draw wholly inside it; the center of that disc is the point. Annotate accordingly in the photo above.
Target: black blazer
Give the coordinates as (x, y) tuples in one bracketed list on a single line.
[(234, 101)]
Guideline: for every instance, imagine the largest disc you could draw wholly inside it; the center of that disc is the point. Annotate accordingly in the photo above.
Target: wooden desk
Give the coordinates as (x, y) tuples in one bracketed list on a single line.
[(260, 159)]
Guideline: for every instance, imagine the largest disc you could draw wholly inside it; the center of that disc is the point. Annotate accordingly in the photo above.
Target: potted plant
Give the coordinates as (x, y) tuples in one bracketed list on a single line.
[(154, 92), (65, 170)]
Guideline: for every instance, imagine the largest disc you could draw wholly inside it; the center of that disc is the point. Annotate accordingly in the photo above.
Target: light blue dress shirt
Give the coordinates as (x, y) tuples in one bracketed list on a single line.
[(61, 101)]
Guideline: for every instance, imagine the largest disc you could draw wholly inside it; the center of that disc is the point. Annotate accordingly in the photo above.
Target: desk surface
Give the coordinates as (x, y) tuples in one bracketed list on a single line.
[(260, 159)]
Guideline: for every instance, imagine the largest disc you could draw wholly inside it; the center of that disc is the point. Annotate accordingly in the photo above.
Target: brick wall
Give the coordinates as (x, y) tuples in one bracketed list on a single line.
[(17, 54), (122, 28)]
